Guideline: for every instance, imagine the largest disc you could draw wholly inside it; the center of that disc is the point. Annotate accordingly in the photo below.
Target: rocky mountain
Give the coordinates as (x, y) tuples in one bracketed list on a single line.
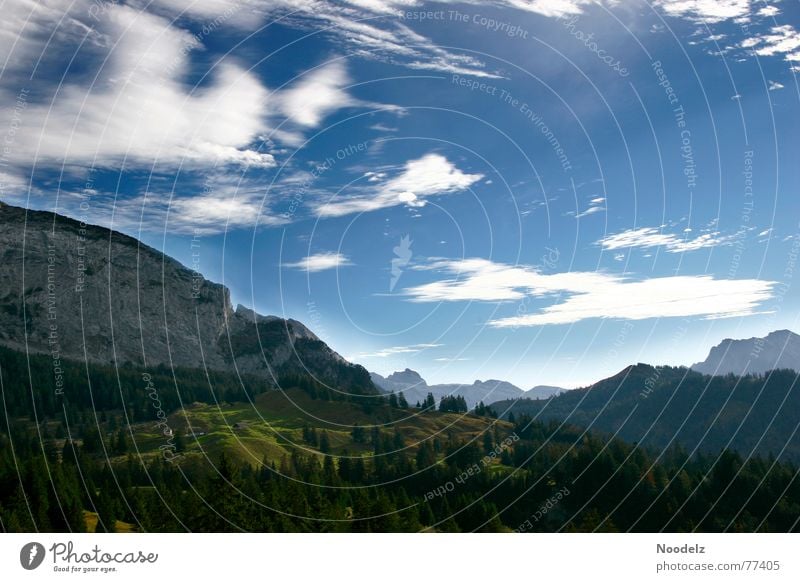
[(415, 388), (756, 355), (406, 378), (409, 382), (84, 292)]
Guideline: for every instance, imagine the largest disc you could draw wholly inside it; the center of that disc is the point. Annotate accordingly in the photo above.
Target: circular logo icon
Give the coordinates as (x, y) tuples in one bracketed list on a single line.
[(31, 555)]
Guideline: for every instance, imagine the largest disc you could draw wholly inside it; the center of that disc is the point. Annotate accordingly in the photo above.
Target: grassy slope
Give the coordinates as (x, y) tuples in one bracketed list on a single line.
[(272, 427)]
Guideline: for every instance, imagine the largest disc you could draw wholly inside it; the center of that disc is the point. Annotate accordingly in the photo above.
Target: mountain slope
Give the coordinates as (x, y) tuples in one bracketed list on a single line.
[(84, 292), (779, 349), (657, 406)]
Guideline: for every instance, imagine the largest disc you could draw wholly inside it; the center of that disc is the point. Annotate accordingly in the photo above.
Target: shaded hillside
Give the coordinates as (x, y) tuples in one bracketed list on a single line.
[(661, 406), (234, 471)]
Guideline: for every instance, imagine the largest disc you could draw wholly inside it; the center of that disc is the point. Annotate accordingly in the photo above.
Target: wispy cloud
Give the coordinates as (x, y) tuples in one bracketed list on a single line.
[(596, 205), (429, 175), (218, 203), (476, 279), (356, 27), (781, 40), (649, 237), (591, 295), (320, 262), (397, 350)]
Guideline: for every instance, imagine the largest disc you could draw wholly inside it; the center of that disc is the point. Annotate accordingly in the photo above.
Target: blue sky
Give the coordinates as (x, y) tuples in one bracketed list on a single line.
[(542, 192)]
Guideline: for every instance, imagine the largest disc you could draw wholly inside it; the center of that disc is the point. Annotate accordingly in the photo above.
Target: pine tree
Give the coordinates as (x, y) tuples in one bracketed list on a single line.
[(324, 442), (358, 434), (121, 443)]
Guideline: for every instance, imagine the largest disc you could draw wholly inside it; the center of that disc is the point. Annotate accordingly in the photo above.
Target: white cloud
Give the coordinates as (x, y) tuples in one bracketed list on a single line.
[(429, 175), (590, 294), (649, 237), (246, 14), (590, 210), (596, 205), (382, 127), (317, 94), (706, 11), (781, 40), (139, 110), (701, 11), (384, 6), (396, 350), (139, 107), (387, 39), (314, 96), (552, 8), (679, 296), (478, 279), (768, 11), (775, 86), (28, 26), (214, 213), (320, 262), (218, 203)]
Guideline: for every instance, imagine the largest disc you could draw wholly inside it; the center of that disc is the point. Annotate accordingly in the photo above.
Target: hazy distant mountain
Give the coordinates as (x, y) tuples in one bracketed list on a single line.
[(779, 349), (84, 292), (542, 392), (415, 388)]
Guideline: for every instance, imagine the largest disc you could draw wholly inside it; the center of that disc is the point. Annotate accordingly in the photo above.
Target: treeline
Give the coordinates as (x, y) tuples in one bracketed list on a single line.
[(549, 478)]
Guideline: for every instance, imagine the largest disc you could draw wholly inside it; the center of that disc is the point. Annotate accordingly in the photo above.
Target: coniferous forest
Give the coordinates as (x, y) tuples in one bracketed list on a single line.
[(93, 464)]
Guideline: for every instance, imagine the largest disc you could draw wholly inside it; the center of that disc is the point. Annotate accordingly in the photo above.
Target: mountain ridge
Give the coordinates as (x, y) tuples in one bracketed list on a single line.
[(754, 355), (658, 406), (86, 292)]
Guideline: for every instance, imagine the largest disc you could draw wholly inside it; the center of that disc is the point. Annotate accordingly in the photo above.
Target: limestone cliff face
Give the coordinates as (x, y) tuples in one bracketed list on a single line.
[(90, 293), (779, 349)]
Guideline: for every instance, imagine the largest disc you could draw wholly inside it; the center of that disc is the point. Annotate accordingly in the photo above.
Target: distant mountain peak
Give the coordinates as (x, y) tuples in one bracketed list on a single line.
[(543, 392), (755, 355), (414, 387), (407, 376)]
